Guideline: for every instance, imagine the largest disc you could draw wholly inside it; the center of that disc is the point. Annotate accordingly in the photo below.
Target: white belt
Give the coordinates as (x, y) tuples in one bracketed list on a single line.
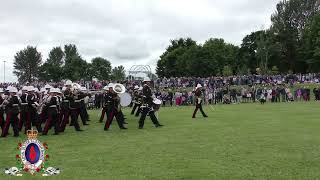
[(53, 106), (24, 104), (14, 105), (66, 101), (77, 100)]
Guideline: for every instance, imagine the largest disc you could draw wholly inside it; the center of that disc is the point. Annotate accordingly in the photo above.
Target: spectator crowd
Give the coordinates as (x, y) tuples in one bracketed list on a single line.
[(216, 90)]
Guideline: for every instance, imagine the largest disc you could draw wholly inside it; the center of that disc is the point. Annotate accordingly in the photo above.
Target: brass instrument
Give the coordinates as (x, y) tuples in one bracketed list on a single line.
[(118, 89)]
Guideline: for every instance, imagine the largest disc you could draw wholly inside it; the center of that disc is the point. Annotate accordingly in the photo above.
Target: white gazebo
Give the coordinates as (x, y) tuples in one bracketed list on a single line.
[(138, 72)]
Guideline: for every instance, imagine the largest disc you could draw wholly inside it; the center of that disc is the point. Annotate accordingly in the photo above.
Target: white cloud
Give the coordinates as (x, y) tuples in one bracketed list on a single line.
[(126, 32)]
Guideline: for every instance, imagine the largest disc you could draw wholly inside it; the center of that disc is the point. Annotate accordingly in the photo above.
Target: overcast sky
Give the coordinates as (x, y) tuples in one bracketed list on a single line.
[(126, 32)]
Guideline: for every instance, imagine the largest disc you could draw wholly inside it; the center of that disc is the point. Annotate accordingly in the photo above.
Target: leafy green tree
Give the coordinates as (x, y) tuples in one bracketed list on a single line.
[(274, 70), (310, 51), (227, 71), (101, 68), (75, 67), (26, 64), (267, 51), (168, 64), (52, 69), (289, 22), (186, 58), (118, 73)]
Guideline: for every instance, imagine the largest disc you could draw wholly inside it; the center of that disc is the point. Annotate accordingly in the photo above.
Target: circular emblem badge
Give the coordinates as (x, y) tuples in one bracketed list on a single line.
[(32, 154)]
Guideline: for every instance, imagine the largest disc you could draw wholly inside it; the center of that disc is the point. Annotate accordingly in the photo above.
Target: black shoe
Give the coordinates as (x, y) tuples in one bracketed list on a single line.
[(86, 124), (88, 120), (205, 116), (125, 123), (106, 129), (159, 125), (100, 121), (79, 130), (56, 133), (123, 128), (140, 127), (16, 135)]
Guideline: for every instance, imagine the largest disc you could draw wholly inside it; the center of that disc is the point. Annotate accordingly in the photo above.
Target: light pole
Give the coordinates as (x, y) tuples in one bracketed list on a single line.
[(4, 71)]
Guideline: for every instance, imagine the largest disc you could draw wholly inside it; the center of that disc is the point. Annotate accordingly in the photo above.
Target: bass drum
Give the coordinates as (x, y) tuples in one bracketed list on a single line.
[(156, 104), (125, 99)]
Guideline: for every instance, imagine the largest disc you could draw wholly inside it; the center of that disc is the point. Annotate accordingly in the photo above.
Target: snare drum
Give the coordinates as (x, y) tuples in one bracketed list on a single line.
[(156, 104)]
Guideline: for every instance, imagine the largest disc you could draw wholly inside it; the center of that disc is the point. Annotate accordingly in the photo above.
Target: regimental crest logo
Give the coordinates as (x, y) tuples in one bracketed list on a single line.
[(32, 158)]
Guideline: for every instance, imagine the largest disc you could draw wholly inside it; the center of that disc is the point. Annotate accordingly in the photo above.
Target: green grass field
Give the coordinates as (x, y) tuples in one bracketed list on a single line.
[(247, 141)]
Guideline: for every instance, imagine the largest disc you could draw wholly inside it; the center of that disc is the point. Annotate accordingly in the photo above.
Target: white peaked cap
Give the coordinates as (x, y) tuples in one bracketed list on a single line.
[(146, 79), (68, 83), (83, 88), (54, 90), (199, 86), (110, 85), (47, 86), (106, 88), (25, 88), (30, 88), (12, 89), (58, 90)]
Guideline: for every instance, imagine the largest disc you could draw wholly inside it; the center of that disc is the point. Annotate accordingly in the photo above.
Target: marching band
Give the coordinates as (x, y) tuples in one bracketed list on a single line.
[(52, 108)]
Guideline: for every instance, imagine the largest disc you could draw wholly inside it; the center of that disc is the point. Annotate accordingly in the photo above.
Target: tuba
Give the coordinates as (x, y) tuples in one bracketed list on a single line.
[(124, 97), (119, 88)]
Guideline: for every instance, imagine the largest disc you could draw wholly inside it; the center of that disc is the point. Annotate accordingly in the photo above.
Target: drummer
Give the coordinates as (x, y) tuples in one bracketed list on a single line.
[(147, 107)]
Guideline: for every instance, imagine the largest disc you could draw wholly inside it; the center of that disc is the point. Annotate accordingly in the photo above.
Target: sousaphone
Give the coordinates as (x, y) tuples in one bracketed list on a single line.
[(119, 88), (125, 98)]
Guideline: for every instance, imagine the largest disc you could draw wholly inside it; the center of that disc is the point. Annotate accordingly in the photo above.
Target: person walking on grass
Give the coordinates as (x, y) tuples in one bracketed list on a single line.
[(198, 101)]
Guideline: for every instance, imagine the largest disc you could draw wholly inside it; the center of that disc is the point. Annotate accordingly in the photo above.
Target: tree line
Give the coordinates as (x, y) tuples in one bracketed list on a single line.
[(290, 45), (62, 64)]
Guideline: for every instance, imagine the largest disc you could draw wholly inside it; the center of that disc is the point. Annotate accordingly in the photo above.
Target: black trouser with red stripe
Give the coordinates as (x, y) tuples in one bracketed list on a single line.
[(144, 113), (111, 114), (12, 118), (1, 118), (23, 119), (83, 114), (53, 120), (65, 114), (103, 112), (34, 119), (74, 118), (198, 106)]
